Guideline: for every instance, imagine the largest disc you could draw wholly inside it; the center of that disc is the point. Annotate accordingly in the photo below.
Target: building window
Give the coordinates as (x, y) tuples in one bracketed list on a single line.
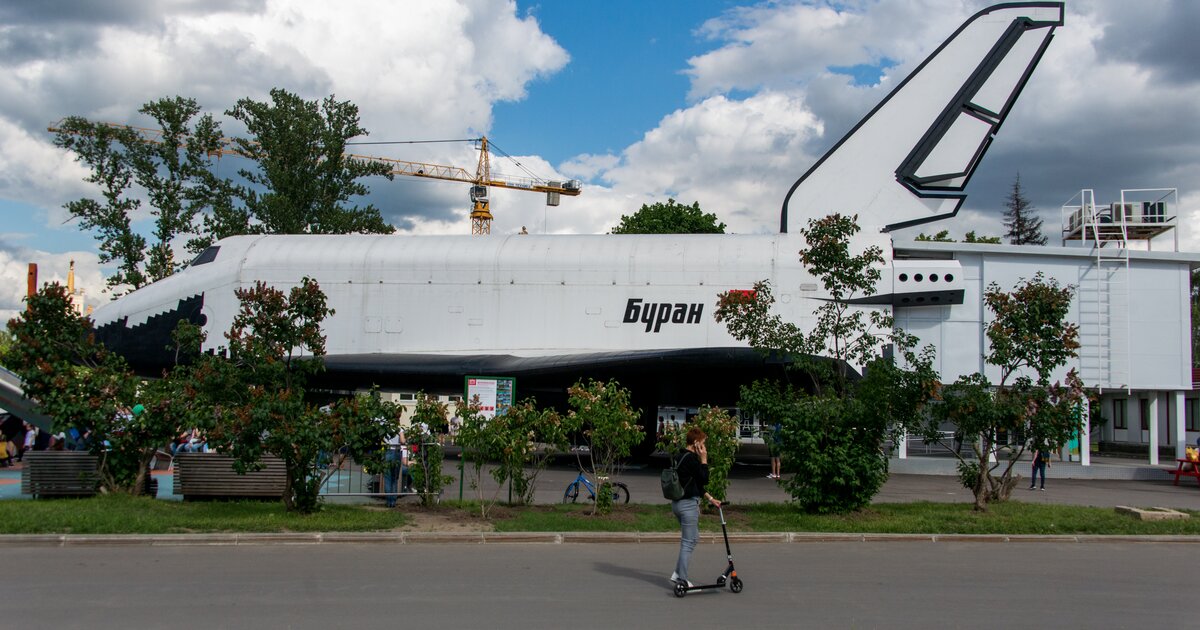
[(1119, 414), (1144, 412), (1191, 413)]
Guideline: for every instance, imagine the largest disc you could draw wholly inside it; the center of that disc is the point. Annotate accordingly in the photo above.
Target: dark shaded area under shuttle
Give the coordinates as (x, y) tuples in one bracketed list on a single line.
[(655, 378)]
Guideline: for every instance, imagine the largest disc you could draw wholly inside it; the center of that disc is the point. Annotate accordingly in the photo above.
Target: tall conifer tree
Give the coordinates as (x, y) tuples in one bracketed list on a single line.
[(1023, 225)]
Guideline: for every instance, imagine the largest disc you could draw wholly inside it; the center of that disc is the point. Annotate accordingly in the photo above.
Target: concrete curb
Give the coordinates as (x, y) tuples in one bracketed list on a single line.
[(549, 538)]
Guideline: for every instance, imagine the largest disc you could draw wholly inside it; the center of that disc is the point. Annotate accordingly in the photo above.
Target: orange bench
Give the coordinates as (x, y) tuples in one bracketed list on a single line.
[(1192, 469)]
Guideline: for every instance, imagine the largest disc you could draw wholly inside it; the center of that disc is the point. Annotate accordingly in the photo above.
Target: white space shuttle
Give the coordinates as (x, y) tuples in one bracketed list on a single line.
[(421, 312)]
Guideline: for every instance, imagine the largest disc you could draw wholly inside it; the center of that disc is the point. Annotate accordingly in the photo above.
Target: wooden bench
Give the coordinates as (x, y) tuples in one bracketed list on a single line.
[(211, 476), (59, 474), (1186, 468)]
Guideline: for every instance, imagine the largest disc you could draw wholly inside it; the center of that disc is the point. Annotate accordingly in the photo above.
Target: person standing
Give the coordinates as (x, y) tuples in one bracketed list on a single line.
[(1041, 461), (773, 441), (393, 459), (693, 476), (30, 437)]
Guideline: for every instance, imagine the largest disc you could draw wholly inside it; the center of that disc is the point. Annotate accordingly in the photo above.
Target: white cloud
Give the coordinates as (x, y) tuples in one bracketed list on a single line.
[(736, 157), (786, 44), (34, 172)]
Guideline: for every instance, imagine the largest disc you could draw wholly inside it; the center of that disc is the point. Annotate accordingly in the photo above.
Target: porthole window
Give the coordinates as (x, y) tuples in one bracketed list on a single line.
[(905, 301), (920, 300), (903, 277), (918, 278), (935, 299), (949, 278), (933, 277)]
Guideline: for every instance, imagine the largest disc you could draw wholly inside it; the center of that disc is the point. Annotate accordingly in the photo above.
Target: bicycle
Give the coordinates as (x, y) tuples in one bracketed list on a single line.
[(620, 491)]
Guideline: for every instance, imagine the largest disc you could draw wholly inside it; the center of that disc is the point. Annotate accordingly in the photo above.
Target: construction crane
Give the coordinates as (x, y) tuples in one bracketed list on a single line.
[(481, 181), (481, 215)]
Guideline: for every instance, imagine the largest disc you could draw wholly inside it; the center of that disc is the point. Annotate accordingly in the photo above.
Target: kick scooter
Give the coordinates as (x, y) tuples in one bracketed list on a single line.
[(729, 577)]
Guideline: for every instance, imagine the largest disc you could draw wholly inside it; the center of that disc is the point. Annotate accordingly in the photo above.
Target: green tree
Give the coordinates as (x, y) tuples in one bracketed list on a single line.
[(82, 386), (481, 442), (969, 237), (610, 429), (169, 167), (832, 439), (1029, 338), (669, 218), (253, 394), (303, 179), (5, 344), (940, 237), (531, 436), (721, 427), (1023, 225), (429, 420), (1195, 299)]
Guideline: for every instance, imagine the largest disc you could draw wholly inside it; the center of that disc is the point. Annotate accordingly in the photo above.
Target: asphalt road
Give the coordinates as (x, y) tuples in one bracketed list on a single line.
[(820, 585)]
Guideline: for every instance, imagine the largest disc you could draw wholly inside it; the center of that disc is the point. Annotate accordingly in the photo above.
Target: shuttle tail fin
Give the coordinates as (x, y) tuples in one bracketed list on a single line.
[(909, 160)]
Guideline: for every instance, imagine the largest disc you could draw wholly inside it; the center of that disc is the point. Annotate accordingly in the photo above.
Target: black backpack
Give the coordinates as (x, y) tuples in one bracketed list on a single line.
[(671, 488)]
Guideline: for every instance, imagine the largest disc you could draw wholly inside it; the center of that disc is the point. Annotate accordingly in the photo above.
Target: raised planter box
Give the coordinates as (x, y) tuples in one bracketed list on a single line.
[(211, 476), (59, 474)]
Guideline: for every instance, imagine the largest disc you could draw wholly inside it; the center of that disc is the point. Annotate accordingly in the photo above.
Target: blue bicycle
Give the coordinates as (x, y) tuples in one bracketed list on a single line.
[(620, 491)]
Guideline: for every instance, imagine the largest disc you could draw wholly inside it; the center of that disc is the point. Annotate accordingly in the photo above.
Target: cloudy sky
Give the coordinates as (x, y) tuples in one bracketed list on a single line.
[(716, 101)]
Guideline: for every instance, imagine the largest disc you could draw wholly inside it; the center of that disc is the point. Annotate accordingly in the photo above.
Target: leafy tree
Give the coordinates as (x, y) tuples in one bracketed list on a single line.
[(721, 427), (832, 439), (481, 442), (253, 394), (5, 344), (610, 429), (303, 179), (970, 237), (940, 237), (1029, 334), (171, 172), (428, 421), (1195, 299), (669, 218), (532, 435), (82, 386), (1023, 225)]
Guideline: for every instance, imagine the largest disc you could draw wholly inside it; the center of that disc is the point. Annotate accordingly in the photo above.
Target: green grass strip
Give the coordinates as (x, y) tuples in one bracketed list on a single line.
[(119, 514)]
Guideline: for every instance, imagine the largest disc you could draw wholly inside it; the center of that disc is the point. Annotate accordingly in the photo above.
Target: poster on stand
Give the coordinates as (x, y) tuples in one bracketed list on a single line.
[(495, 393)]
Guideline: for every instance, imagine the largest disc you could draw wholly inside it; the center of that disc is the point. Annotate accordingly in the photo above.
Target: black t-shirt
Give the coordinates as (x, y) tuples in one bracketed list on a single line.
[(693, 475)]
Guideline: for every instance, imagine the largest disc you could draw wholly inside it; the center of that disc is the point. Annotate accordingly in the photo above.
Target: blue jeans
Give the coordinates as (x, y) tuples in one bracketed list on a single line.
[(391, 474), (1038, 466), (687, 510)]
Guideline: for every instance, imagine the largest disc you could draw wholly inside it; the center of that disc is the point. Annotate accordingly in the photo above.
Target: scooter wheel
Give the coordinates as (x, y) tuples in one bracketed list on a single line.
[(735, 585), (680, 589)]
